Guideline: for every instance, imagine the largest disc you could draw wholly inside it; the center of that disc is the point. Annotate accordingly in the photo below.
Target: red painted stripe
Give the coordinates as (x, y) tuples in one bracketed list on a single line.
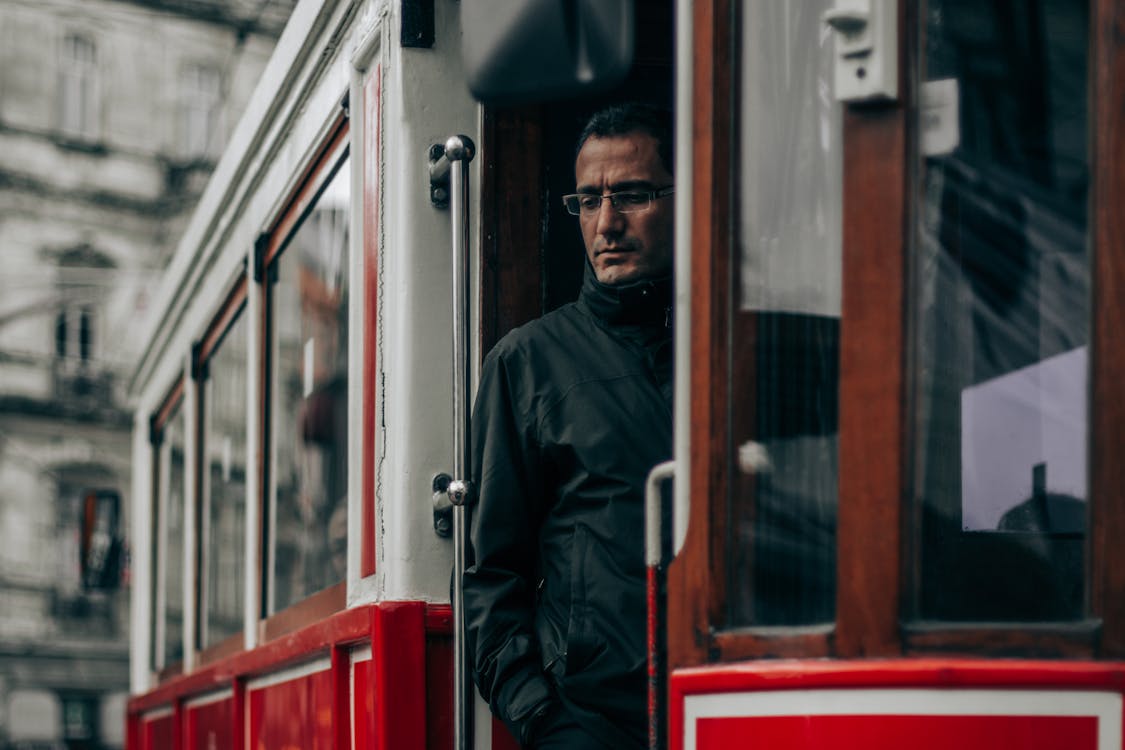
[(398, 655), (650, 637), (344, 627), (898, 673), (439, 619), (399, 658), (786, 675), (885, 732)]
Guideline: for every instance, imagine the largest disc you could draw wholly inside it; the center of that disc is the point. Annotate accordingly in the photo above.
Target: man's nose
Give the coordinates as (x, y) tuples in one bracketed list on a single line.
[(609, 220)]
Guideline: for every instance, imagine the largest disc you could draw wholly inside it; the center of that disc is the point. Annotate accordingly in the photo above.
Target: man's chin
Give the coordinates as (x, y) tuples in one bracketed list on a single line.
[(614, 278), (618, 273)]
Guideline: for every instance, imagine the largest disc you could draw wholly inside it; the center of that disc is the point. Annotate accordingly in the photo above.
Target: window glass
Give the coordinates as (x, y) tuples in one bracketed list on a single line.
[(171, 593), (224, 533), (785, 322), (310, 306), (1000, 312)]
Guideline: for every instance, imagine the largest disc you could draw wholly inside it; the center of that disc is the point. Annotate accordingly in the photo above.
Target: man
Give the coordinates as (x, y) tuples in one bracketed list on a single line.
[(572, 412)]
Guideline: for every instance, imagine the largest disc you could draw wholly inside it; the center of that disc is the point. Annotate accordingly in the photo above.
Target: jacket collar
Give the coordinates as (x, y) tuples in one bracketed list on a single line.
[(640, 302)]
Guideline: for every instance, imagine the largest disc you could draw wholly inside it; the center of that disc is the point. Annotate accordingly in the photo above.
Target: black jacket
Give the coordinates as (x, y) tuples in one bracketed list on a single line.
[(572, 412)]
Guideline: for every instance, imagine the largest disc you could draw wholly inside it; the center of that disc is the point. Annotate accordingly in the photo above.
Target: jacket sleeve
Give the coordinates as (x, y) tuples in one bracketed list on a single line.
[(499, 584)]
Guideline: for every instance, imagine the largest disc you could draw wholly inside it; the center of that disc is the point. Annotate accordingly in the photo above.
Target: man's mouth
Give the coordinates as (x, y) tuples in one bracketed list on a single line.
[(615, 250)]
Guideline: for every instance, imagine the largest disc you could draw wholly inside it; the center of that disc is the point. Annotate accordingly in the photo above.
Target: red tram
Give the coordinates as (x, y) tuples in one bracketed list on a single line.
[(896, 513)]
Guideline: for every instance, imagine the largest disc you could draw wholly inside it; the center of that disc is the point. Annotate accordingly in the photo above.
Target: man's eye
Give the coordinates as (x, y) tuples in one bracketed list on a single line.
[(589, 202), (632, 199)]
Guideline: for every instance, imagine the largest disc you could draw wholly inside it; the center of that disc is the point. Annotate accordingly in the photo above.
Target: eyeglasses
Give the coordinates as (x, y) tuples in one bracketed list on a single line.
[(625, 201)]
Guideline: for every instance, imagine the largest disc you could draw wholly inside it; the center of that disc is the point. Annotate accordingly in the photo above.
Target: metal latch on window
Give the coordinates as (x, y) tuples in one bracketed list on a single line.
[(866, 56)]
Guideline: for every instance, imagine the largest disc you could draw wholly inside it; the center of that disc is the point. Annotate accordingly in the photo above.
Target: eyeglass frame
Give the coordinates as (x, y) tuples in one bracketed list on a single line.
[(651, 195)]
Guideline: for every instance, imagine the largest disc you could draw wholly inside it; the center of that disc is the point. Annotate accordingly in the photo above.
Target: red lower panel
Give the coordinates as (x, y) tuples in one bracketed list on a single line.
[(293, 714), (439, 692), (209, 727), (887, 732), (363, 705), (158, 733)]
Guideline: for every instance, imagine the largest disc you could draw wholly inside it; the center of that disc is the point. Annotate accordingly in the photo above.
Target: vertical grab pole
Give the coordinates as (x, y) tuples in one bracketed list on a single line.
[(459, 151)]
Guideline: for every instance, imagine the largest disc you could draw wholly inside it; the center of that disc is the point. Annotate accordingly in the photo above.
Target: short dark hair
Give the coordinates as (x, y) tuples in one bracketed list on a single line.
[(631, 117)]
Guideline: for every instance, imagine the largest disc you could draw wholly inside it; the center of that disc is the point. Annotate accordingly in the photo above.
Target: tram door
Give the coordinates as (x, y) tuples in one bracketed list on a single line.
[(532, 256), (532, 253)]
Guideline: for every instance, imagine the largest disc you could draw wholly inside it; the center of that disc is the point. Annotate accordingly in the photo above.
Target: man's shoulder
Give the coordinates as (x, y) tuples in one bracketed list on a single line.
[(542, 336)]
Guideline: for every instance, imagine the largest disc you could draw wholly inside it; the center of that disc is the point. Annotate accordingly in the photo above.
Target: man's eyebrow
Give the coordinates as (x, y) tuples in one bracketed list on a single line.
[(616, 187)]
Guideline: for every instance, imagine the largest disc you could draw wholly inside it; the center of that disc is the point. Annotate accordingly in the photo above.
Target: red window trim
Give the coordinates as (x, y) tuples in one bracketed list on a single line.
[(163, 414), (312, 181), (222, 321)]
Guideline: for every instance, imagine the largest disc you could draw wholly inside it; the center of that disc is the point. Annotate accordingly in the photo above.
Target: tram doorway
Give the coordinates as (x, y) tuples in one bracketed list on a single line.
[(531, 249)]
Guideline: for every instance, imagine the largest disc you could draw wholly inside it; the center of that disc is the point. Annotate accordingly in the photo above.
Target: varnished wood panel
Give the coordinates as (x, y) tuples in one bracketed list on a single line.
[(873, 370), (221, 323), (691, 576), (1107, 413), (511, 153), (872, 377), (370, 169), (1027, 641), (311, 609), (313, 179)]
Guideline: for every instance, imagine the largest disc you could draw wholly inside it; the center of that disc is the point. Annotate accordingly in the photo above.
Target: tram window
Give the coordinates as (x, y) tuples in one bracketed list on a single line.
[(223, 513), (1000, 306), (168, 599), (309, 304), (785, 322)]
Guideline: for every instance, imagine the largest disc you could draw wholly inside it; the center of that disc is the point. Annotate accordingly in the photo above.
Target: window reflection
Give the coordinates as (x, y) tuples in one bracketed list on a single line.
[(785, 322), (1001, 304), (224, 540), (310, 301)]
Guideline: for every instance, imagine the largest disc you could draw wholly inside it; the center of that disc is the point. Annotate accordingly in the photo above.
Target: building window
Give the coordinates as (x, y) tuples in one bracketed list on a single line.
[(79, 103), (74, 333), (202, 100)]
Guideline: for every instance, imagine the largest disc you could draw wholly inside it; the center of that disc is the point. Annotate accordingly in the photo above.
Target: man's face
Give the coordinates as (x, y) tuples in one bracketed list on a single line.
[(625, 247)]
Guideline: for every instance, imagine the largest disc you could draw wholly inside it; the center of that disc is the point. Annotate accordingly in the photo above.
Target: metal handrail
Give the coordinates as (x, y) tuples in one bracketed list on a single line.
[(459, 151)]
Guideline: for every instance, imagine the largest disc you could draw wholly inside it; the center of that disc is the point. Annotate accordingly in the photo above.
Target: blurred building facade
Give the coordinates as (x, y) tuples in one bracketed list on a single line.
[(112, 115)]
